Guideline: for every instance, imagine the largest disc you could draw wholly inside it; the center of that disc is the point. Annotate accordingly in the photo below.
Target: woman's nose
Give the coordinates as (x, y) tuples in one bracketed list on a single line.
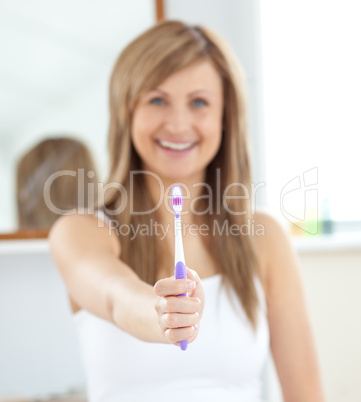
[(178, 120)]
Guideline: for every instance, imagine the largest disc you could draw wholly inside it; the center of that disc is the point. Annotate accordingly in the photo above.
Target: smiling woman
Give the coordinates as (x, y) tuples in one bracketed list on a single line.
[(178, 112), (181, 134), (120, 283)]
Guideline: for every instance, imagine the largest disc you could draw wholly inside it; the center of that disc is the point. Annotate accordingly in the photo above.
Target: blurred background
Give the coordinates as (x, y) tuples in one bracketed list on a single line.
[(302, 64)]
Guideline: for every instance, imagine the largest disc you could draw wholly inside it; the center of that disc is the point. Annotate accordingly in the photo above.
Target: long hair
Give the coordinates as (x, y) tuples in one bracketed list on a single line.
[(37, 165), (162, 50)]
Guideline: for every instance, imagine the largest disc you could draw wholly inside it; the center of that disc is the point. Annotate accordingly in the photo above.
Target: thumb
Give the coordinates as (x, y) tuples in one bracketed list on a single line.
[(198, 290), (192, 275)]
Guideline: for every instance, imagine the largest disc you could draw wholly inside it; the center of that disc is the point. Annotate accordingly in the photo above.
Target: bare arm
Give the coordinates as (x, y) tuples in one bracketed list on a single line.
[(291, 337), (88, 258)]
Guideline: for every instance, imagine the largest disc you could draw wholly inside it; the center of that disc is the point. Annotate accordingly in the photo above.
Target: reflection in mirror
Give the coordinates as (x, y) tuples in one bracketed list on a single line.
[(55, 177), (56, 63)]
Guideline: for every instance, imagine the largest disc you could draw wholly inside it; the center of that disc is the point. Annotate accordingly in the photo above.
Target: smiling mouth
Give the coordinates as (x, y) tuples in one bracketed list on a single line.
[(176, 146)]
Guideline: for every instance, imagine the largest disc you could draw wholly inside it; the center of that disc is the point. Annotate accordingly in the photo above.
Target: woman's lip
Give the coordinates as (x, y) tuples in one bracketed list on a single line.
[(175, 141), (176, 154)]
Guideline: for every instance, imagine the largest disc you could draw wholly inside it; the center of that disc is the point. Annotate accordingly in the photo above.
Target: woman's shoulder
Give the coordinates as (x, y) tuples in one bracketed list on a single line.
[(270, 240), (267, 222), (270, 233), (75, 237)]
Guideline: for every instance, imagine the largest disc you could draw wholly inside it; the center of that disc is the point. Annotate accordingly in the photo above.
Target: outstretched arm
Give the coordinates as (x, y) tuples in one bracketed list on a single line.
[(88, 258)]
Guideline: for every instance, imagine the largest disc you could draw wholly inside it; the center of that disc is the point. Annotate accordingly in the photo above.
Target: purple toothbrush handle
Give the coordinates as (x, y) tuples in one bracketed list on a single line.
[(181, 273)]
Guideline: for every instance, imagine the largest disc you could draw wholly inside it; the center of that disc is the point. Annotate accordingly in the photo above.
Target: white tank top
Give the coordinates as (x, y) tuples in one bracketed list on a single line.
[(224, 364)]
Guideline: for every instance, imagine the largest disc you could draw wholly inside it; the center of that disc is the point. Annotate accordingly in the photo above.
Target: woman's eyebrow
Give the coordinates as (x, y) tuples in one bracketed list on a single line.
[(190, 94)]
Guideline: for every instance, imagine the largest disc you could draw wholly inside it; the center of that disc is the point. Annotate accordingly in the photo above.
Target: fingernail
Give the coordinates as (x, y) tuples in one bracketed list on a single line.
[(191, 285), (195, 327)]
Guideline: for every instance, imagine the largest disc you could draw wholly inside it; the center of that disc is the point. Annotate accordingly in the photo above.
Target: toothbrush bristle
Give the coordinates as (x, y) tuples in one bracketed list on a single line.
[(177, 199)]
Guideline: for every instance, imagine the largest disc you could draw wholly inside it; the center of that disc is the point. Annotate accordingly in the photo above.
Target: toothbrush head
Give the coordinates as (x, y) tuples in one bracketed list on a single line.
[(177, 200)]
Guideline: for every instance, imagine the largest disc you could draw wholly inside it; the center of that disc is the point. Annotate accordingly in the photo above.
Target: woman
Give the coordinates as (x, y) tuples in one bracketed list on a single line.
[(178, 115)]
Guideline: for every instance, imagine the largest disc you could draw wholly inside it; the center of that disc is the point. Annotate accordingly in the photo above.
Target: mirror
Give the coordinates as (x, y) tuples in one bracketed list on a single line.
[(56, 62)]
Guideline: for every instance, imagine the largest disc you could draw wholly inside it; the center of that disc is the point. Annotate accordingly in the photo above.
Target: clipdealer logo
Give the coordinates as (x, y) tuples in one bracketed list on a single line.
[(221, 199), (299, 201)]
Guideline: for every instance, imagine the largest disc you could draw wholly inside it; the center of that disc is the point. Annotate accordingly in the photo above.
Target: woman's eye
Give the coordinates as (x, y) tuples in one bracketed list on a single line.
[(200, 102), (157, 101), (197, 102)]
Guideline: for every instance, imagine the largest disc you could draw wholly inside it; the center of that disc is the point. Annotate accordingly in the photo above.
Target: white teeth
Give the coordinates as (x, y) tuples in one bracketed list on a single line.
[(174, 146)]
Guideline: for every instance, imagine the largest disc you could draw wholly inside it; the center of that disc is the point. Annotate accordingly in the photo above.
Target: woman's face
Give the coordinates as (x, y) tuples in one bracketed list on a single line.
[(177, 127)]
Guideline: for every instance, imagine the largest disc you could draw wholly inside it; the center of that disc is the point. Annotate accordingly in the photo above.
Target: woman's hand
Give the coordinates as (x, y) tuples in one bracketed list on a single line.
[(178, 316)]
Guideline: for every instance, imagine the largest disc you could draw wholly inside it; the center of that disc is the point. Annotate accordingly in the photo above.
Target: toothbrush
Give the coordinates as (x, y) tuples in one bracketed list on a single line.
[(180, 267)]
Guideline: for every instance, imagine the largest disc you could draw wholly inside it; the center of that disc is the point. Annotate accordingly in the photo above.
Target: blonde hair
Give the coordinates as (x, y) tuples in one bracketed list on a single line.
[(159, 52), (36, 166)]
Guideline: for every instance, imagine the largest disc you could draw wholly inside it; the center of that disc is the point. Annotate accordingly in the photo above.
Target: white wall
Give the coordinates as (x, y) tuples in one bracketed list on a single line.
[(332, 283), (39, 352)]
